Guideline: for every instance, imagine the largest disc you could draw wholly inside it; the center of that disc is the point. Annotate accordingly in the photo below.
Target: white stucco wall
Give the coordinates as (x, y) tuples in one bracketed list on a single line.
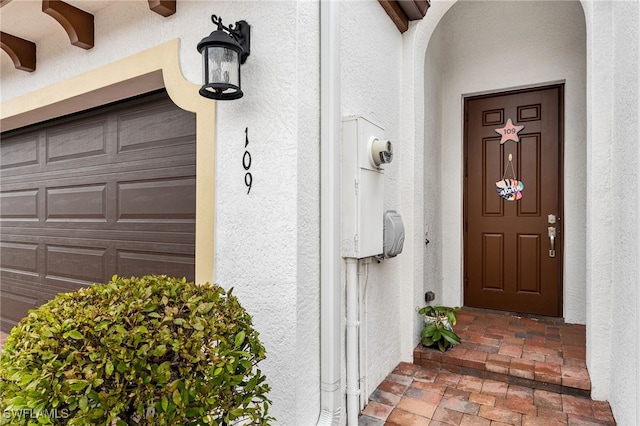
[(433, 92), (371, 61), (267, 241), (612, 246), (421, 181)]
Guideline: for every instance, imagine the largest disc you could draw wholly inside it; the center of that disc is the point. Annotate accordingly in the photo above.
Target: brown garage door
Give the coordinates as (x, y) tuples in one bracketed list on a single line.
[(110, 191)]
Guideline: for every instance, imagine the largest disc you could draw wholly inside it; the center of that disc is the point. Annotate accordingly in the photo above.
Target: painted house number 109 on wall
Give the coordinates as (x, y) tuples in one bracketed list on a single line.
[(246, 162)]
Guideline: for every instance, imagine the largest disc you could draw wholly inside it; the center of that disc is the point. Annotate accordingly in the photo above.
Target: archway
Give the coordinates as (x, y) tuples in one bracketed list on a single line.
[(458, 50), (488, 47)]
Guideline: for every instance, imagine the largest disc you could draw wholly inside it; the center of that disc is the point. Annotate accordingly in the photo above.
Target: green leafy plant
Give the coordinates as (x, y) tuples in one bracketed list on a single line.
[(140, 351), (438, 327)]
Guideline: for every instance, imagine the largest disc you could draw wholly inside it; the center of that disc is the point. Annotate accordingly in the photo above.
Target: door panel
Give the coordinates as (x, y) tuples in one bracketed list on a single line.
[(508, 265)]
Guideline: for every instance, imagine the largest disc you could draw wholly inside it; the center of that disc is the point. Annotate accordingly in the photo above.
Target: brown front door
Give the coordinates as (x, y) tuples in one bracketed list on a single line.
[(509, 264)]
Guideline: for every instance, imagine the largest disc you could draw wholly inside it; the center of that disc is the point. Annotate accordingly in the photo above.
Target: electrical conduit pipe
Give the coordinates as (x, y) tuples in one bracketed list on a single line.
[(353, 393)]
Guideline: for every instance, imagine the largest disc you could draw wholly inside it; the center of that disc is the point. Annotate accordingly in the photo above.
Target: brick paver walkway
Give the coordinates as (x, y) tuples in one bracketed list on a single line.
[(539, 352), (509, 370)]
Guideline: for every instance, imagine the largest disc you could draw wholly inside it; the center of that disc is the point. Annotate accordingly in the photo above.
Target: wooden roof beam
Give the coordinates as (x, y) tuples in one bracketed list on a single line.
[(396, 14), (163, 7), (76, 22), (414, 9), (22, 52), (403, 11)]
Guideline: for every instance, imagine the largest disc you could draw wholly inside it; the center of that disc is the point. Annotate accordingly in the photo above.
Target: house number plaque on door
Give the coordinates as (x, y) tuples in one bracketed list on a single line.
[(509, 132)]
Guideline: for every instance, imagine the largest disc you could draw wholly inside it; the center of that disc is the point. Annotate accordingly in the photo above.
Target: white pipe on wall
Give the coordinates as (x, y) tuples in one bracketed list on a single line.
[(330, 258), (638, 263), (363, 276), (353, 399)]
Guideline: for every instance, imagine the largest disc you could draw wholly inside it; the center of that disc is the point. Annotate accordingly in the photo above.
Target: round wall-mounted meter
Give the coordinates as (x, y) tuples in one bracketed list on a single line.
[(381, 151)]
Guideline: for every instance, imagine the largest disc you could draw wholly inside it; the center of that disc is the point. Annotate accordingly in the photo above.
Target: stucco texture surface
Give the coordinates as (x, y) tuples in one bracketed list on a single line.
[(370, 86)]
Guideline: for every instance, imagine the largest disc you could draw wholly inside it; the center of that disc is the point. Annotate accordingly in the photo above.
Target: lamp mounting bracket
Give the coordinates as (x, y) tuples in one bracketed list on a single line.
[(239, 31)]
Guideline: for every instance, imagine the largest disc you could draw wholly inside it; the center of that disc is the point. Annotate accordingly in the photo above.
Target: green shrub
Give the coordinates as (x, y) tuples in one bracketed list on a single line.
[(140, 351)]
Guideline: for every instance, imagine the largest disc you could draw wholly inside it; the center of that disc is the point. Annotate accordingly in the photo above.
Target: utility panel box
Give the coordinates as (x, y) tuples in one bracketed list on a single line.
[(364, 153)]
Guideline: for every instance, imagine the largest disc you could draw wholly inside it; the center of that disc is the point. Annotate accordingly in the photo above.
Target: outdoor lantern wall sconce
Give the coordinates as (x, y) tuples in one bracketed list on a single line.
[(223, 51)]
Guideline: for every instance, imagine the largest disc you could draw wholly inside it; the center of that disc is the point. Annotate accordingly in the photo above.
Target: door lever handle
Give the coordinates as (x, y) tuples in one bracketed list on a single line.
[(552, 240)]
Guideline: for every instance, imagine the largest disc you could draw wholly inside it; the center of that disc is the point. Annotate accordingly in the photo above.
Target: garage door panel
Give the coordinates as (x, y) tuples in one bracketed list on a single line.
[(86, 197), (78, 141), (19, 257), (83, 232), (172, 154), (123, 230), (157, 200), (158, 173), (20, 205), (76, 263), (139, 263), (77, 203), (20, 153), (51, 286), (176, 163), (154, 127), (14, 305)]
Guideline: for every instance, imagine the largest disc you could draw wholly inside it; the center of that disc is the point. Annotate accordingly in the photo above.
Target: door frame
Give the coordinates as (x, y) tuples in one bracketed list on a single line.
[(560, 220)]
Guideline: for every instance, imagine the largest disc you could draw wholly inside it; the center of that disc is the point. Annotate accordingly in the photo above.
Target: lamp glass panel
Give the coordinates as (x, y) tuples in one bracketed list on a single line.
[(224, 66)]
